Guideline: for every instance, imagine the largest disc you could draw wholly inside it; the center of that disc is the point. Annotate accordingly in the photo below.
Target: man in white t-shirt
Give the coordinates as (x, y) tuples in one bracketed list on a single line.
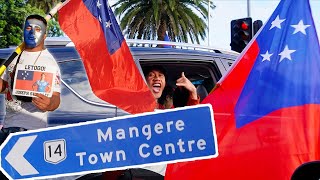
[(26, 113)]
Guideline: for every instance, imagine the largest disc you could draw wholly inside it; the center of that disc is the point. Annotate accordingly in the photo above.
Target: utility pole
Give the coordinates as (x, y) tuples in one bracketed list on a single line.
[(248, 8), (209, 22)]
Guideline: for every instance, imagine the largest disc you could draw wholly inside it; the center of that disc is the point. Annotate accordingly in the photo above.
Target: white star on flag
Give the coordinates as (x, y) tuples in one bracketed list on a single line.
[(277, 22), (300, 27), (286, 53), (266, 56), (24, 74), (108, 24), (98, 4)]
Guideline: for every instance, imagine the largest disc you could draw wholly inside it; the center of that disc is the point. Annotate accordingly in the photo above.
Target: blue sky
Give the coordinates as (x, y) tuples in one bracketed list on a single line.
[(227, 10)]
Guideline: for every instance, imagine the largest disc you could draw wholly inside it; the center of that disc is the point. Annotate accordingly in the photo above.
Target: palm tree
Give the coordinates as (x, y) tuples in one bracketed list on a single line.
[(148, 19)]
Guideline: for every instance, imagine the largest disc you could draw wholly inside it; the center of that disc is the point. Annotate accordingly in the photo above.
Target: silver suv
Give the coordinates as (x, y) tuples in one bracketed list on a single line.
[(203, 66)]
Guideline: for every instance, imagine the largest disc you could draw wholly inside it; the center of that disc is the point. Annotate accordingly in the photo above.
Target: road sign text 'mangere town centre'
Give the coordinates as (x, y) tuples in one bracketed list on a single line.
[(174, 135)]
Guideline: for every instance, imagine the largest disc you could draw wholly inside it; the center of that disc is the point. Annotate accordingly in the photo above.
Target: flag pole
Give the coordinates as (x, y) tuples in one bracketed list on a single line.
[(20, 48)]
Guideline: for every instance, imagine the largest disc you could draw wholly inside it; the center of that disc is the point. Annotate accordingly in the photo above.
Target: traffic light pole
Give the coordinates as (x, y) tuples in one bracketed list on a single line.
[(248, 8)]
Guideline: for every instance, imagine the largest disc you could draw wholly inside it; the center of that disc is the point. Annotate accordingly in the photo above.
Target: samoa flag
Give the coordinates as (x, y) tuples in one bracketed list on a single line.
[(111, 70), (267, 107)]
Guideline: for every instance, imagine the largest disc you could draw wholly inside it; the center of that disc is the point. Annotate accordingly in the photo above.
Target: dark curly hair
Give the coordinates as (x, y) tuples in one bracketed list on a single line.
[(167, 91), (148, 69)]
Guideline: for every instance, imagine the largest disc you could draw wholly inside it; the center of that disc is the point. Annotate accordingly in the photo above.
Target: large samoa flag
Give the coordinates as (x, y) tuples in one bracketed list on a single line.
[(267, 107), (111, 70)]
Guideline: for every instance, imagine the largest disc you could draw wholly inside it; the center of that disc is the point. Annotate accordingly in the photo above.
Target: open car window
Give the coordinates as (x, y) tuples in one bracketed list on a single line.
[(203, 74)]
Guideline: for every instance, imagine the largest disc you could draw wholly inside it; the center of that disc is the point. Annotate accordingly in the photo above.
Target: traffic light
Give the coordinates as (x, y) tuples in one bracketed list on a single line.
[(256, 26), (241, 33)]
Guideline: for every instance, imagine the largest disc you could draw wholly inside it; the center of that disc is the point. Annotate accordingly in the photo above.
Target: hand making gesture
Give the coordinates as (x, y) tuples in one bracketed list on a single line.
[(185, 82)]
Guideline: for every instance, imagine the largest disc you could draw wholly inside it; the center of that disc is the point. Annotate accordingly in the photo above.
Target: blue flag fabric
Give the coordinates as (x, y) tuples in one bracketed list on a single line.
[(286, 71), (267, 106), (25, 75), (101, 10)]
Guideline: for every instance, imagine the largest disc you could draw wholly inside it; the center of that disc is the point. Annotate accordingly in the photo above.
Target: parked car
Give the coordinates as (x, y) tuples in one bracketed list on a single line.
[(203, 66)]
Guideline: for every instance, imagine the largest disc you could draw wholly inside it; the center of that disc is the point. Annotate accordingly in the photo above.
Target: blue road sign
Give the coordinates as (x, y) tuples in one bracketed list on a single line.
[(173, 135)]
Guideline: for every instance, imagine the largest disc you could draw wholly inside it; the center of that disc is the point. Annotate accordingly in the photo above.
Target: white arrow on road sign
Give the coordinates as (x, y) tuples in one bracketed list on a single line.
[(15, 156)]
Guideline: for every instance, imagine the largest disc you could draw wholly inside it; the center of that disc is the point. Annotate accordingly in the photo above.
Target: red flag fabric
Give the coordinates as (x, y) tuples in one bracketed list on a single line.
[(109, 65), (267, 107)]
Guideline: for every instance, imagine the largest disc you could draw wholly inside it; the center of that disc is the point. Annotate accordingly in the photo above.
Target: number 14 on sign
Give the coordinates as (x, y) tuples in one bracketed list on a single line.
[(55, 151)]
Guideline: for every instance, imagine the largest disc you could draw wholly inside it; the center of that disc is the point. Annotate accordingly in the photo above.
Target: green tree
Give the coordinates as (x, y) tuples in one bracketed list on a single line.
[(148, 19), (45, 5), (12, 16)]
